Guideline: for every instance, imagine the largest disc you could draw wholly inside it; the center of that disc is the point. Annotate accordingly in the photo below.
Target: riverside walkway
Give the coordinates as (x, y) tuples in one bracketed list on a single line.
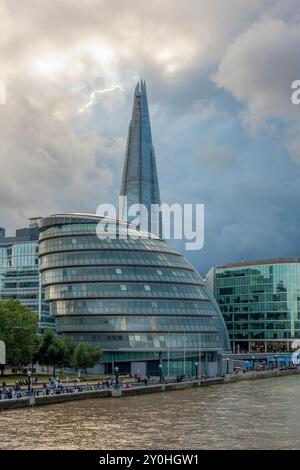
[(63, 393), (57, 387)]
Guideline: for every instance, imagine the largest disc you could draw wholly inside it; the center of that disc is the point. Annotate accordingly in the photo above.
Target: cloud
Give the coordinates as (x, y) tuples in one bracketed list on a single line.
[(60, 57), (46, 165), (259, 68), (216, 155)]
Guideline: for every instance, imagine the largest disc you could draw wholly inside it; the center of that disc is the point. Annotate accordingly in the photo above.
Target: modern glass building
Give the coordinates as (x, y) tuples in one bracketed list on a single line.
[(19, 272), (139, 181), (131, 294), (260, 303), (138, 299)]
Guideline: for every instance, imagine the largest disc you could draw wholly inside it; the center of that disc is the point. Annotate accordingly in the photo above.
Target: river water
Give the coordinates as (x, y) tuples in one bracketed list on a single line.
[(262, 414)]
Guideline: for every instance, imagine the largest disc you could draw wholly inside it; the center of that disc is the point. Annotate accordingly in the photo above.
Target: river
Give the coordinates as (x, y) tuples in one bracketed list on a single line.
[(262, 414)]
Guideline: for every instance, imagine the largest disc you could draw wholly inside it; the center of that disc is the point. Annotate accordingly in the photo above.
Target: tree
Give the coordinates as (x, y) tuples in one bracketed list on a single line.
[(85, 356), (54, 350), (68, 350), (42, 355), (18, 329)]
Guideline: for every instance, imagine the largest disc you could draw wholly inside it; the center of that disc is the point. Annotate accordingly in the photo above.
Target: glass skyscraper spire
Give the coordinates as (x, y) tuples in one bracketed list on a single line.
[(140, 182)]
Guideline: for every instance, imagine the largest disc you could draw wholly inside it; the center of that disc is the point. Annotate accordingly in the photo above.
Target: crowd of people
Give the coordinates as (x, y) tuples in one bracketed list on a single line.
[(263, 366), (54, 386), (31, 387)]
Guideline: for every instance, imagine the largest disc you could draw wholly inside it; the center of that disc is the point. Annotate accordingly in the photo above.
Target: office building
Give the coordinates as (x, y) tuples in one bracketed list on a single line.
[(19, 272), (260, 303)]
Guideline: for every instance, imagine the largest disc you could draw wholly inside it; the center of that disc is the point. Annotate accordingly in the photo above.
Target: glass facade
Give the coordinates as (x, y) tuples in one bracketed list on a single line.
[(260, 303), (140, 181), (139, 300), (19, 274)]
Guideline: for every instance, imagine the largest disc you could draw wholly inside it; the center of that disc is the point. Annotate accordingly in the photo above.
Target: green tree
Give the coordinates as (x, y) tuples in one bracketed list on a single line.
[(54, 350), (42, 355), (68, 350), (85, 356), (18, 329)]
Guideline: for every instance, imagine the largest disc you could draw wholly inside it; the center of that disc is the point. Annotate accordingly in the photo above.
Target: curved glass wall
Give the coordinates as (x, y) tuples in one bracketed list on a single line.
[(90, 242), (111, 257), (136, 290), (137, 296), (124, 274), (128, 306), (137, 323)]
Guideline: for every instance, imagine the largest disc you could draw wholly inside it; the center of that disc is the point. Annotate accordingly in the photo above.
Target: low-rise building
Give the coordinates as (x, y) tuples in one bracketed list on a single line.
[(260, 303)]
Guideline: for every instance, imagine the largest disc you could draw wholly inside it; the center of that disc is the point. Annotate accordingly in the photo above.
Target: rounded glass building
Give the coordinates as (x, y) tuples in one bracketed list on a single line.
[(137, 299)]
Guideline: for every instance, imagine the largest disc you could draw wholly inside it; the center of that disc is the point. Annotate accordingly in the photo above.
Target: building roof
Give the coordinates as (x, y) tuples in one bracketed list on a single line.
[(27, 234), (260, 262), (88, 216)]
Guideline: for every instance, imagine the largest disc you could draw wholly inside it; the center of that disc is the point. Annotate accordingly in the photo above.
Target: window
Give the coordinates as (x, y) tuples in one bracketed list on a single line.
[(147, 288), (123, 287), (118, 271)]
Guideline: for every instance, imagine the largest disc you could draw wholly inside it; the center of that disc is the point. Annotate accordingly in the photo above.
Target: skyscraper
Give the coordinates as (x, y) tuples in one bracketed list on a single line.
[(140, 182)]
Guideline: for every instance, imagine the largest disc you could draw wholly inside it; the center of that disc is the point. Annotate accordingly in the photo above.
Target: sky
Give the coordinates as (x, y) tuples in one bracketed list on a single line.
[(225, 131)]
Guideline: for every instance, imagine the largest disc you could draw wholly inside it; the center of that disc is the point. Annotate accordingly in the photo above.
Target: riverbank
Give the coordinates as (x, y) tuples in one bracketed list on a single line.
[(10, 404)]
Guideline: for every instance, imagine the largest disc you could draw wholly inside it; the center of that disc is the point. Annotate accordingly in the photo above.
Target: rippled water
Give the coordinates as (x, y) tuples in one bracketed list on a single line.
[(263, 414)]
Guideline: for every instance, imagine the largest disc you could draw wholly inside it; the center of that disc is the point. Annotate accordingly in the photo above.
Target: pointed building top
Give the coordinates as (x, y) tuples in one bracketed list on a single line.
[(139, 180)]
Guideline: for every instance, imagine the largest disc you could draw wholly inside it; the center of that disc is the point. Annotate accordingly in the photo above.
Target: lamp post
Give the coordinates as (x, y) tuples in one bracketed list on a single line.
[(160, 372), (117, 376), (196, 367), (227, 360), (253, 362)]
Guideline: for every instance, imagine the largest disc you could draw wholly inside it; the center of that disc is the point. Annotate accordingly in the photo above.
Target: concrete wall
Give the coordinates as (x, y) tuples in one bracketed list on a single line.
[(260, 375), (51, 399)]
